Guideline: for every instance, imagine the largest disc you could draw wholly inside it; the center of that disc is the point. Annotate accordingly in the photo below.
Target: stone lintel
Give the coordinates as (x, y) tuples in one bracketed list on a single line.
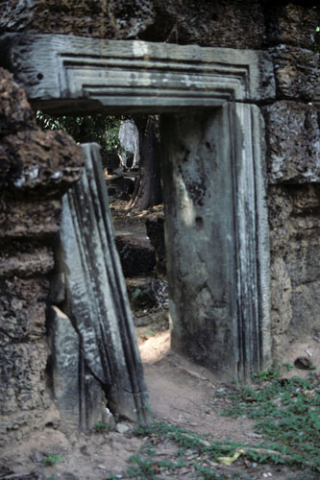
[(60, 71)]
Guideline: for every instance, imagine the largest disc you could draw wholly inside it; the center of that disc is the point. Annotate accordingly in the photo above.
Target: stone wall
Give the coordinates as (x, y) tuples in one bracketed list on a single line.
[(36, 168)]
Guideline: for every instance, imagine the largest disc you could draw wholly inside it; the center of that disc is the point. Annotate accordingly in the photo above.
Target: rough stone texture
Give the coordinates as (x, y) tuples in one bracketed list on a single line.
[(228, 23), (294, 234), (95, 18), (291, 24), (293, 139), (15, 112), (296, 72), (30, 220), (25, 259), (221, 24), (36, 168), (42, 162), (25, 402)]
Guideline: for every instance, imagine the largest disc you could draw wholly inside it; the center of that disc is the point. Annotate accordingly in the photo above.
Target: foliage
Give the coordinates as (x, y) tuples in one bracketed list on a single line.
[(102, 129), (288, 412), (51, 459), (100, 427)]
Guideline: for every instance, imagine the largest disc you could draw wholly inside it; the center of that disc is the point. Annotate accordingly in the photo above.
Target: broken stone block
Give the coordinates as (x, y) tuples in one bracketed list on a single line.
[(79, 396), (293, 143)]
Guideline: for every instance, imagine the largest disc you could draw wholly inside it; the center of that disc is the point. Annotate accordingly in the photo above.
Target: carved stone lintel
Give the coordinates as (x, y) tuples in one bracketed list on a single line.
[(58, 71)]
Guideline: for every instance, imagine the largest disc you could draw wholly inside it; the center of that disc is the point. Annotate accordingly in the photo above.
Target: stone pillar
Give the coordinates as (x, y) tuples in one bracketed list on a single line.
[(217, 238)]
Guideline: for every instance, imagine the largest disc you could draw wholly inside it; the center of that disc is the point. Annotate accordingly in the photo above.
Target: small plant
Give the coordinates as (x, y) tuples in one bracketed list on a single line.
[(288, 366), (100, 427), (51, 459)]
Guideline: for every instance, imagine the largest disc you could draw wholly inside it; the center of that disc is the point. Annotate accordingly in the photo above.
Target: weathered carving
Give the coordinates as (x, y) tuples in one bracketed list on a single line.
[(114, 77), (126, 76), (96, 302)]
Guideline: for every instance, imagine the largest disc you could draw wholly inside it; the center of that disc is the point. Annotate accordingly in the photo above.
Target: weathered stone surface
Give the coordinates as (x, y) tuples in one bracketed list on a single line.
[(32, 220), (96, 18), (291, 24), (15, 111), (159, 77), (213, 292), (18, 425), (293, 139), (296, 72), (96, 293), (281, 296), (21, 369), (44, 162), (294, 233), (25, 259), (22, 310), (227, 23), (79, 397)]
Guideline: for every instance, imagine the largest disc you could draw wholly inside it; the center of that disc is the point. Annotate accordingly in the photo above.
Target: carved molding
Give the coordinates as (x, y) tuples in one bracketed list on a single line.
[(135, 75), (70, 74)]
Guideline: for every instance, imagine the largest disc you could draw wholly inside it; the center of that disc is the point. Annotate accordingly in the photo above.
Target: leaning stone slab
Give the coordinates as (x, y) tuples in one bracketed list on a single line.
[(97, 299), (61, 71)]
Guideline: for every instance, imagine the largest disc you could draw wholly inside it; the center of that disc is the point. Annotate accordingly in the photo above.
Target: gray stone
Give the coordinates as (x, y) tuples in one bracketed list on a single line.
[(219, 301), (161, 76), (96, 293), (293, 143), (78, 395), (122, 428)]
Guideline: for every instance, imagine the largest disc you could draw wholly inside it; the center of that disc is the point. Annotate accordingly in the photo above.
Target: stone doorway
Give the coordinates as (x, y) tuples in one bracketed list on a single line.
[(212, 130)]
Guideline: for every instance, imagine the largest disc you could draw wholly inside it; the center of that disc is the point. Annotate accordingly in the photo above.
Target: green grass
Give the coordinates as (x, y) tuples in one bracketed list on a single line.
[(287, 415), (51, 459)]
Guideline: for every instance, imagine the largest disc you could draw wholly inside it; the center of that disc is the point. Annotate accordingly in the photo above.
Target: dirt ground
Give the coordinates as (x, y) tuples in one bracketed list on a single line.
[(181, 394)]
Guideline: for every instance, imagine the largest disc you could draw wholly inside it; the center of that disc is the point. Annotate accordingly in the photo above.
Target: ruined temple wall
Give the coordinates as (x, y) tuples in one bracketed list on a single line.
[(31, 187), (35, 169)]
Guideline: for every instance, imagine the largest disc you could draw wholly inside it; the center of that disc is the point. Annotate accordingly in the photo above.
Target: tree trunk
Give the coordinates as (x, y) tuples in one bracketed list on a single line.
[(147, 191)]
